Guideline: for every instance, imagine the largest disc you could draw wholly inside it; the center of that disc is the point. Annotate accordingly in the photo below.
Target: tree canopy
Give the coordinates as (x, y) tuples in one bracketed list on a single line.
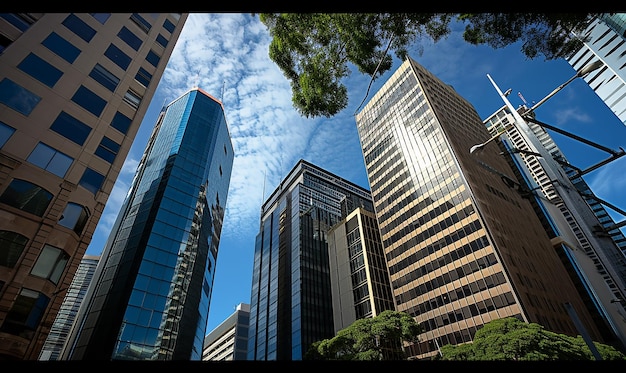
[(313, 49), (512, 339), (374, 338)]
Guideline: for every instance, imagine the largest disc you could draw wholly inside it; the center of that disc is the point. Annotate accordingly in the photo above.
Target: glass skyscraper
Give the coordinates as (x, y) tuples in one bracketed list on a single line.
[(74, 88), (463, 245), (291, 302), (150, 296)]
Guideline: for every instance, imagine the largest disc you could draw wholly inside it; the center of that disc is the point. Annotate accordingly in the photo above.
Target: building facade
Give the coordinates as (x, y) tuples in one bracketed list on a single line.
[(358, 270), (74, 296), (595, 258), (229, 340), (462, 245), (291, 302), (605, 40), (151, 293), (74, 89)]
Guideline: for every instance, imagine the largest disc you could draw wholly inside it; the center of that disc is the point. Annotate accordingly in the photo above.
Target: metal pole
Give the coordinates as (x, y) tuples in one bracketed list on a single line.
[(581, 329)]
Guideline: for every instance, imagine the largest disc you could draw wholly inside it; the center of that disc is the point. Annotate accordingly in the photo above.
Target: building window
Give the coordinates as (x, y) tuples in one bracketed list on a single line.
[(116, 55), (71, 128), (50, 264), (61, 47), (132, 98), (153, 58), (11, 247), (141, 22), (89, 101), (143, 77), (79, 27), (21, 21), (26, 196), (121, 122), (50, 159), (162, 40), (17, 97), (4, 43), (101, 17), (104, 77), (169, 26), (131, 39), (74, 217), (41, 70), (5, 133), (107, 149), (91, 180), (24, 317)]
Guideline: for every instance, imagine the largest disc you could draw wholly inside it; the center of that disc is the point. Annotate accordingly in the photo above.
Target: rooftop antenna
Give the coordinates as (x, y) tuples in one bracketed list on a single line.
[(222, 93), (263, 193), (197, 80), (522, 97)]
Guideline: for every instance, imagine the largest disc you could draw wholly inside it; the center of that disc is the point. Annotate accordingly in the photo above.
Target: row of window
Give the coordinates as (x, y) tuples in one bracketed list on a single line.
[(29, 306), (57, 162), (33, 199)]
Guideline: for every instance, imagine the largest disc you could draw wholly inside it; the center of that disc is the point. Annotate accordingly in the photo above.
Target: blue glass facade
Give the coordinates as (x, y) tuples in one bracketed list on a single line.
[(154, 283)]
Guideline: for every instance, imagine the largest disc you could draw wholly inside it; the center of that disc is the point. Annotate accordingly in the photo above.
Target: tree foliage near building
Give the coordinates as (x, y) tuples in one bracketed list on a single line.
[(374, 338), (313, 49), (512, 339)]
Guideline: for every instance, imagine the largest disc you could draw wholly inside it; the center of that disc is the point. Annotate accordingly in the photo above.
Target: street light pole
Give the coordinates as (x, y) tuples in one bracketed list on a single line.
[(582, 72), (569, 197)]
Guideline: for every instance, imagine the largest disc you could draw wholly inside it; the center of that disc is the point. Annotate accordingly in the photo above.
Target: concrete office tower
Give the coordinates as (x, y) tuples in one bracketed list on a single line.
[(229, 340), (594, 258), (291, 302), (150, 296), (607, 43), (463, 248), (74, 89), (74, 296), (358, 270)]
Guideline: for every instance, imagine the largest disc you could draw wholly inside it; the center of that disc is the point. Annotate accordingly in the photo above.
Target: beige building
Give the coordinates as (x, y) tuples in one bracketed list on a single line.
[(463, 246), (73, 91), (358, 270), (229, 340)]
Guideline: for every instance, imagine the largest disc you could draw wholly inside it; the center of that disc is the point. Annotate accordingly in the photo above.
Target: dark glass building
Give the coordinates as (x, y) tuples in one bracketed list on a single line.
[(291, 301), (150, 296)]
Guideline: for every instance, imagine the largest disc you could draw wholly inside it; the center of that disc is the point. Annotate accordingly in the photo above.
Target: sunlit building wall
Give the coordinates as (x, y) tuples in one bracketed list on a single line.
[(229, 340), (462, 245), (74, 88), (358, 270)]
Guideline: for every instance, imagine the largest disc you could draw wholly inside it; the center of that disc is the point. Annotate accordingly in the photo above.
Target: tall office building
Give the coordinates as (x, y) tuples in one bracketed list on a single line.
[(291, 302), (150, 296), (605, 40), (358, 270), (594, 258), (74, 89), (229, 340), (463, 246), (74, 296)]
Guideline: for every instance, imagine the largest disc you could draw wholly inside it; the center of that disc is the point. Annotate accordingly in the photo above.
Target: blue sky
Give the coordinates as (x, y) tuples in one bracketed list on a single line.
[(226, 54)]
